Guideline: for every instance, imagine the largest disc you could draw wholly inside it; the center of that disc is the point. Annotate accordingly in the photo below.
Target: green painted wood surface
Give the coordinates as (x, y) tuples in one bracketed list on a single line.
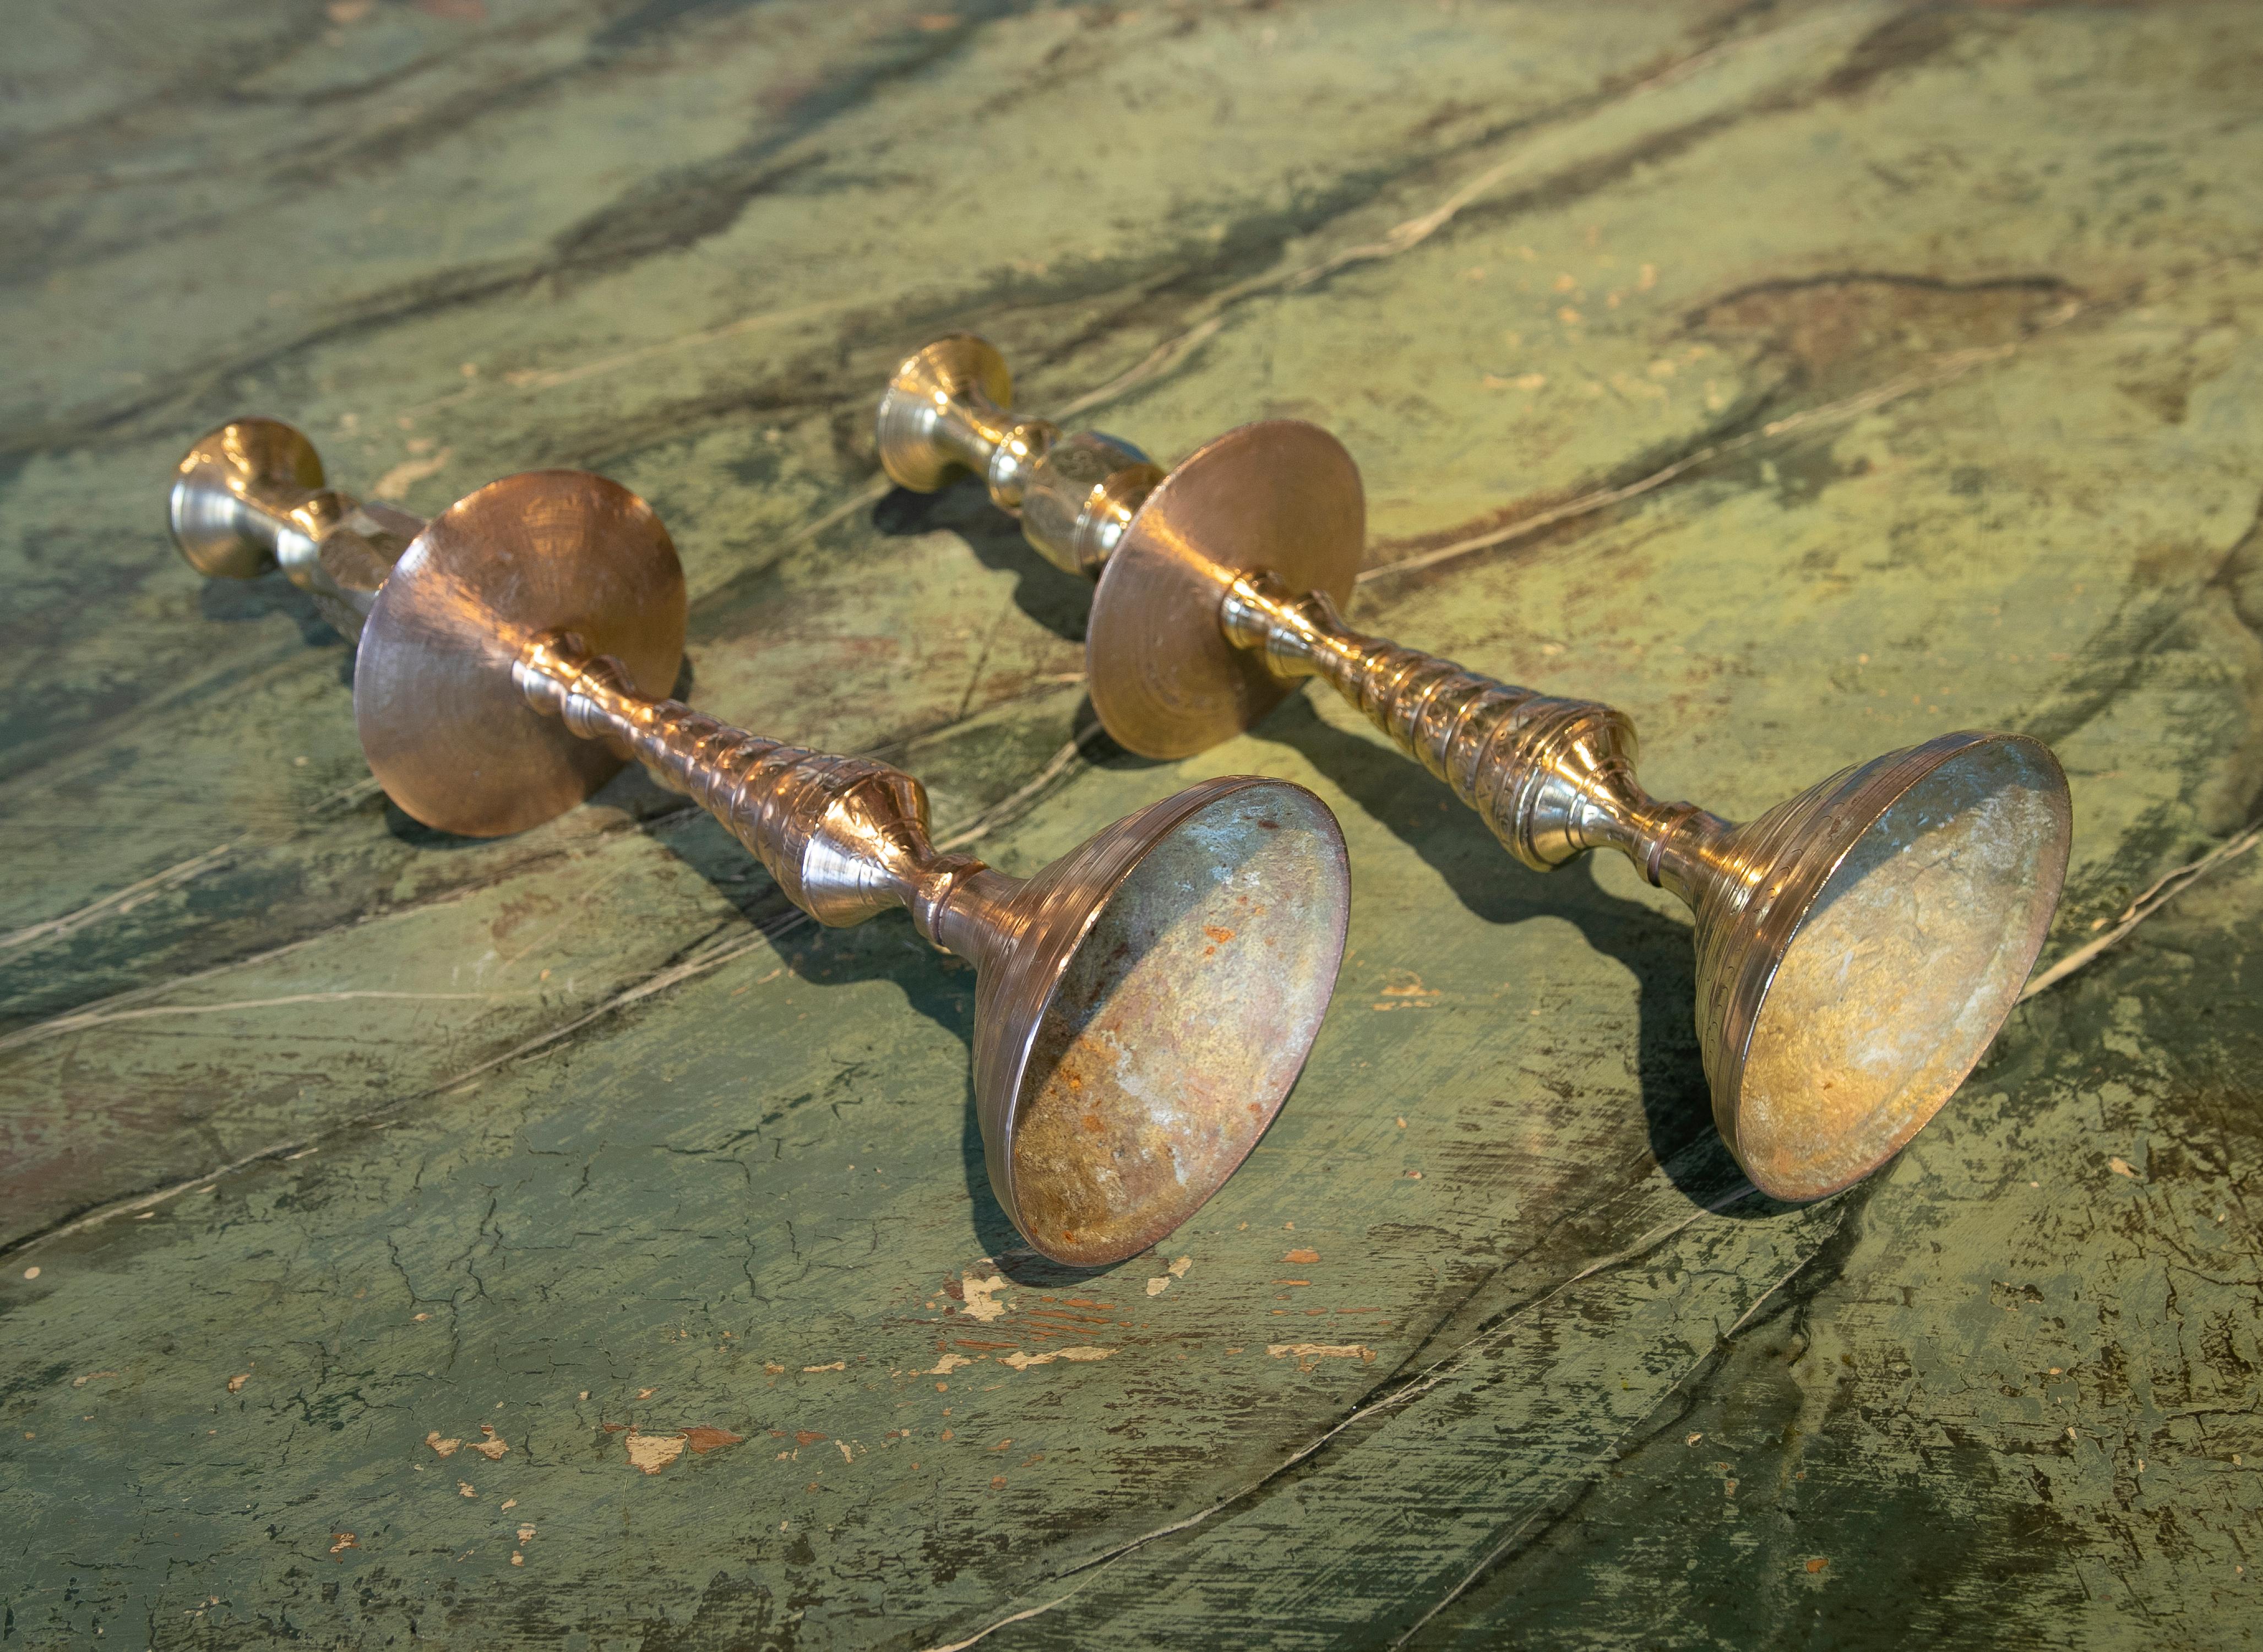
[(1803, 378)]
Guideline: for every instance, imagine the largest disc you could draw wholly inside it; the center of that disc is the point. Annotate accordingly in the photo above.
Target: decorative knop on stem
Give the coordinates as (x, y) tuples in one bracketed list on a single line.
[(947, 408), (250, 498), (845, 837)]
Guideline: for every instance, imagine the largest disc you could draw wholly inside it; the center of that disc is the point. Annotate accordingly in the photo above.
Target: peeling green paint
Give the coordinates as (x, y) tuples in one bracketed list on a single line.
[(552, 1242)]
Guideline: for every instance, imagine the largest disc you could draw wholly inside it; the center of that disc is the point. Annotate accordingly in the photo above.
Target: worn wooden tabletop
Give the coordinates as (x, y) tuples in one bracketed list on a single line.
[(548, 1241)]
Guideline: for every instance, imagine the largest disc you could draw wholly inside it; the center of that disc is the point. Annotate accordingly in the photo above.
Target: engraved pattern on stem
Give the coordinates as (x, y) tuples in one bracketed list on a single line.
[(845, 837), (1551, 777)]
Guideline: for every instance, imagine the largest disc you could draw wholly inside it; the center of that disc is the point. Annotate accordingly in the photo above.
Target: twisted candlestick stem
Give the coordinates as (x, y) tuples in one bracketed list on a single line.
[(845, 837), (1551, 777)]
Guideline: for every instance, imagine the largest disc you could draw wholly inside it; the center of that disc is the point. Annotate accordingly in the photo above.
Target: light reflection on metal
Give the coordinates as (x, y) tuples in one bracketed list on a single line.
[(1142, 1006), (250, 498), (1858, 945)]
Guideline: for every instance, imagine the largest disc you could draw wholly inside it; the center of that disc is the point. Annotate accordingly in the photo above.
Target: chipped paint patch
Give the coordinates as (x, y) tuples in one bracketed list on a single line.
[(945, 1366), (981, 1296), (1307, 1354), (846, 1455), (444, 1447), (838, 1364), (1405, 990), (235, 1383), (397, 481), (701, 1440), (79, 1382), (652, 1452), (1080, 1355), (492, 1447), (1301, 1255), (341, 1541), (1157, 1286)]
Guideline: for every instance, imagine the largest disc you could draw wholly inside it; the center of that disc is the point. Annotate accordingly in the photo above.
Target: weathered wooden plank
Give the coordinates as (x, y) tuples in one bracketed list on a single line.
[(1908, 381)]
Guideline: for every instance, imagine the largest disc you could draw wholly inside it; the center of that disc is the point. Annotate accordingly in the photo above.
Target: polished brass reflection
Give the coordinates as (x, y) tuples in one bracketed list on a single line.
[(1858, 945), (1142, 1006), (250, 498)]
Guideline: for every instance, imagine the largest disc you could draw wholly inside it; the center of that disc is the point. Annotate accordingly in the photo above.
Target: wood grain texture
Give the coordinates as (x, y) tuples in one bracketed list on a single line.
[(552, 1242)]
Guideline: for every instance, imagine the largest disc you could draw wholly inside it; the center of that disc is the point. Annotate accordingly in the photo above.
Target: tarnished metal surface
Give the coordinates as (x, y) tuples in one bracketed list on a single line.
[(1900, 905), (1858, 945), (1941, 867), (1224, 588), (1146, 1001), (1941, 391), (1125, 1074), (1180, 1022)]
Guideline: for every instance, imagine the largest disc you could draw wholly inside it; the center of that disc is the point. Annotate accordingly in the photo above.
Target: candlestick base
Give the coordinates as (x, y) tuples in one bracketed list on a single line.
[(1280, 495), (1859, 946), (448, 734), (1144, 1005)]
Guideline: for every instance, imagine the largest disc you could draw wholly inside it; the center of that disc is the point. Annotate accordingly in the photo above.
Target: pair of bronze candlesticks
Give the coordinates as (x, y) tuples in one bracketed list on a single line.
[(1143, 1003)]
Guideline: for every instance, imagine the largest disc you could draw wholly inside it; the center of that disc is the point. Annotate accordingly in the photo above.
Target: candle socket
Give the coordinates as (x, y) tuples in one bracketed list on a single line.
[(250, 498)]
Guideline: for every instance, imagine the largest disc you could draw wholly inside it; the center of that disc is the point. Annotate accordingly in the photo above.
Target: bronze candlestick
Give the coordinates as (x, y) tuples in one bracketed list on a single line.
[(1858, 945), (1142, 1006)]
